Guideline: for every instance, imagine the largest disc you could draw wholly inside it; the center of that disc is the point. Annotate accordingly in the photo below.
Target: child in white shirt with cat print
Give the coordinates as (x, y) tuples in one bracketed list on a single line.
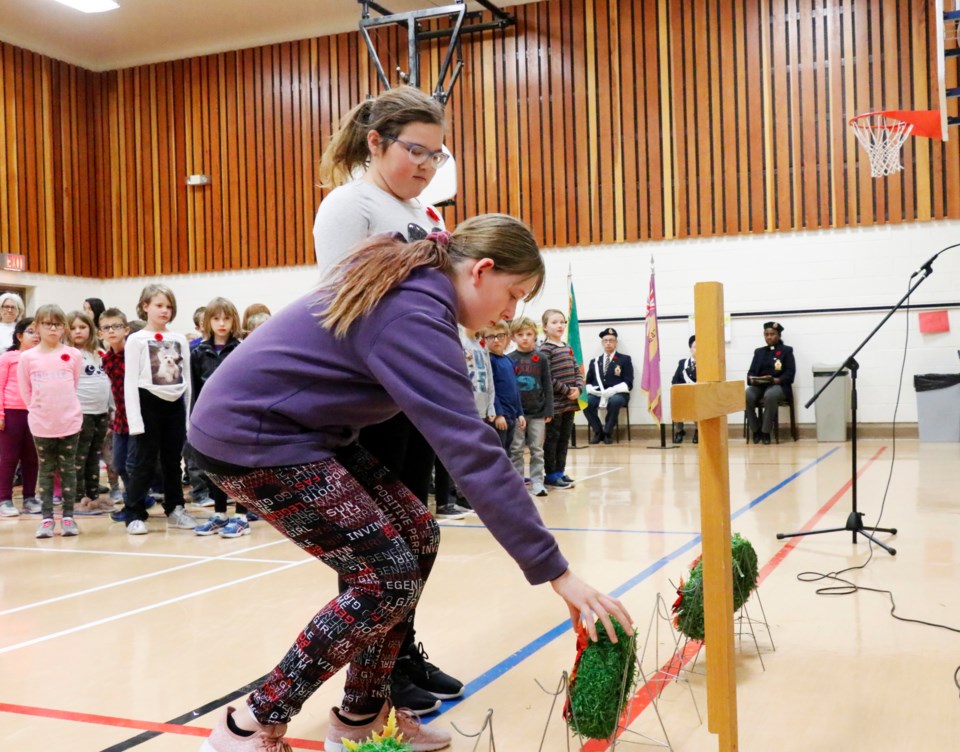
[(156, 392)]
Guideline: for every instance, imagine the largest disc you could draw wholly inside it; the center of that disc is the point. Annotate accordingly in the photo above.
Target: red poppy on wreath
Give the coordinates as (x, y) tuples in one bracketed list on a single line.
[(535, 358), (158, 337), (65, 357), (432, 213)]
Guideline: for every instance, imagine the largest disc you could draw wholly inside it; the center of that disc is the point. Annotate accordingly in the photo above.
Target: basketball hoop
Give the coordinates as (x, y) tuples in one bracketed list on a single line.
[(883, 133)]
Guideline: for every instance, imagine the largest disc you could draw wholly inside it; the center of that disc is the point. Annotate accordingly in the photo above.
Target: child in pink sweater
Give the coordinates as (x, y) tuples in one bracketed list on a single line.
[(16, 441), (48, 376)]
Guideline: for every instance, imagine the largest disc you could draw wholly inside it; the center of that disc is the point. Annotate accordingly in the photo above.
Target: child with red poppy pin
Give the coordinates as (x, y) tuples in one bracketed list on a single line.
[(94, 394), (156, 392), (770, 379), (532, 371), (48, 375)]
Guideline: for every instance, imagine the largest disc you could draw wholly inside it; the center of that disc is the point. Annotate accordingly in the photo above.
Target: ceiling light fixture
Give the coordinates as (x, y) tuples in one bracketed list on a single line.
[(91, 6)]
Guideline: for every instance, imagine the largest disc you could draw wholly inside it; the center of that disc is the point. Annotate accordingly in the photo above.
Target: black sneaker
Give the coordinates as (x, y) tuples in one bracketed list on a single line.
[(407, 695), (428, 677)]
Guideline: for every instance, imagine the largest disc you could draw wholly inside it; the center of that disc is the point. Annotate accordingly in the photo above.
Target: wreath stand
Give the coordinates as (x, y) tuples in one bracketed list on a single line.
[(640, 695), (487, 725)]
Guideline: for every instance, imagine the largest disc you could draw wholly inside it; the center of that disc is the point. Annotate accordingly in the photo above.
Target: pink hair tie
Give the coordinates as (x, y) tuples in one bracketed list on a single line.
[(441, 238)]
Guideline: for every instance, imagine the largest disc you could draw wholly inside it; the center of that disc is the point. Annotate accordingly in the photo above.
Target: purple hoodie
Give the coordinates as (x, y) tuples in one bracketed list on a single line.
[(292, 393)]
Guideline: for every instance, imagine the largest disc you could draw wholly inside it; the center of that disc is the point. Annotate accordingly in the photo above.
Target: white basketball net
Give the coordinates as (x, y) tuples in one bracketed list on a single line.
[(882, 137)]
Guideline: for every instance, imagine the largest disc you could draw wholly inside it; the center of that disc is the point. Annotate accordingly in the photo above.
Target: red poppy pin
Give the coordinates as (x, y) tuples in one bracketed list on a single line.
[(614, 358), (158, 337), (101, 353), (778, 353), (432, 213), (535, 358), (483, 342), (65, 357)]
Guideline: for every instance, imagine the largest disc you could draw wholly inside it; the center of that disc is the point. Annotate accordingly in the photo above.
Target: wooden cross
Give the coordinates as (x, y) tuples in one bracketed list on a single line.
[(708, 402)]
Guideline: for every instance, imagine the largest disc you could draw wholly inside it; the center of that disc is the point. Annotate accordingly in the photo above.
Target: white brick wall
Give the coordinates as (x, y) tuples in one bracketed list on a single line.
[(823, 269)]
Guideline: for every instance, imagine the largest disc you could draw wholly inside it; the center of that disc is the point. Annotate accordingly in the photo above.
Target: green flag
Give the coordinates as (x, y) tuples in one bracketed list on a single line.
[(573, 335)]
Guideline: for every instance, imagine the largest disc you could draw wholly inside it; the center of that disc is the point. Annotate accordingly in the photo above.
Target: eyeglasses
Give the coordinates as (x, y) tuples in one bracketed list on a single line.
[(112, 328), (8, 307), (502, 337), (51, 325), (419, 154)]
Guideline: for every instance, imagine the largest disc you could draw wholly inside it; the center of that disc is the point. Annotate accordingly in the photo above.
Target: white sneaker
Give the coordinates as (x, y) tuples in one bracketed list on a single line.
[(7, 509), (45, 528), (180, 519), (68, 527), (205, 501), (32, 506), (137, 527), (116, 496)]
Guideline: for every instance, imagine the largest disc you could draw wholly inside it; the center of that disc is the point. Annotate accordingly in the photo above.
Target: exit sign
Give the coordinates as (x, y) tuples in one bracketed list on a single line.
[(13, 262)]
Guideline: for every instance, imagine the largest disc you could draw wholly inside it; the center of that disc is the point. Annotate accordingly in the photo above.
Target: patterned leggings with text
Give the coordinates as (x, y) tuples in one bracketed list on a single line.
[(355, 516)]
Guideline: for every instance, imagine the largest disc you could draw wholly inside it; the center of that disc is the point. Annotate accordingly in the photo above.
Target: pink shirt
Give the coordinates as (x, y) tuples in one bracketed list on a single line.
[(48, 385), (10, 398)]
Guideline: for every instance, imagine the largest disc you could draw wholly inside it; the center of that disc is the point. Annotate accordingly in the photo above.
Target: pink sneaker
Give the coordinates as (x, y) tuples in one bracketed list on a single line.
[(266, 739), (420, 738)]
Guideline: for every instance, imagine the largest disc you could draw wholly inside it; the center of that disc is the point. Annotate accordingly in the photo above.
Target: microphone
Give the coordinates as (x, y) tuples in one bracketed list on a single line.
[(928, 267)]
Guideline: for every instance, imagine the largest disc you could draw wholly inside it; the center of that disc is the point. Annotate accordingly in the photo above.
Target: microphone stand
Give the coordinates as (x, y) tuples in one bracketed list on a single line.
[(855, 519)]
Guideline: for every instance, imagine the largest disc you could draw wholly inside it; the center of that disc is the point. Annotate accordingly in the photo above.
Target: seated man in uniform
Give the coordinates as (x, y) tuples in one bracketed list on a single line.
[(686, 373), (609, 381), (770, 378)]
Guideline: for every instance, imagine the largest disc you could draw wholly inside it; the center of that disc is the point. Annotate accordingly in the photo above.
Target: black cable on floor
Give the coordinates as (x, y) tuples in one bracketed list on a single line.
[(849, 588)]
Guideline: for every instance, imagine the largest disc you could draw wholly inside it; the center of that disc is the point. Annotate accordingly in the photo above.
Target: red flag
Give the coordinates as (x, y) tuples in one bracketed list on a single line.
[(650, 381)]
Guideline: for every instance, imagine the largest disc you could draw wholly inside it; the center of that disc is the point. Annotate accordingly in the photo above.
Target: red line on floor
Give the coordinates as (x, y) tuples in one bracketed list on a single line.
[(109, 720), (642, 698)]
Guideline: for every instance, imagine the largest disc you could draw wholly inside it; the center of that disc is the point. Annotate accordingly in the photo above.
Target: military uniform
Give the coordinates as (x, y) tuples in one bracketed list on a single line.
[(614, 370), (774, 361)]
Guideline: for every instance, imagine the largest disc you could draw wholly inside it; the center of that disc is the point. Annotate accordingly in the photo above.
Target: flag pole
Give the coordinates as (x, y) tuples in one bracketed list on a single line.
[(650, 382)]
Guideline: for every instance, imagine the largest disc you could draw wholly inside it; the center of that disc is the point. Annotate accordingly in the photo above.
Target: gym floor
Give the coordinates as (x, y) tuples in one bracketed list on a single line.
[(112, 642)]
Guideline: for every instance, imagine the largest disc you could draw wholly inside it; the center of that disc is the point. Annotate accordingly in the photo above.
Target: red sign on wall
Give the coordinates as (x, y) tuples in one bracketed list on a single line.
[(13, 262)]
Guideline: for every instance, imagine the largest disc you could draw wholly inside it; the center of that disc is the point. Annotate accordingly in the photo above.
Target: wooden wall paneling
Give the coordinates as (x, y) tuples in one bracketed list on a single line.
[(26, 130), (605, 145), (687, 93), (877, 53), (807, 122), (864, 103), (512, 152), (618, 127), (226, 143), (822, 114), (794, 114), (951, 150), (703, 76), (838, 130), (290, 236), (490, 125), (745, 124), (46, 186), (581, 115), (548, 145), (308, 140), (592, 146), (921, 101), (852, 150), (556, 58), (467, 191), (273, 146), (632, 133), (526, 135), (890, 96), (57, 111), (165, 183), (938, 199), (660, 176), (781, 117), (728, 112), (712, 123), (535, 162), (569, 120), (6, 140)]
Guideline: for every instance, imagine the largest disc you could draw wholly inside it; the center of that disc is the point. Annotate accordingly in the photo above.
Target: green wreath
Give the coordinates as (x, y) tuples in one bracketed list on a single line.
[(689, 604), (601, 683)]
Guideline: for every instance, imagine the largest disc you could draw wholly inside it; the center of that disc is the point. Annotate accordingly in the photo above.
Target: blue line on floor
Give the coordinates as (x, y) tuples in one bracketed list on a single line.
[(565, 629)]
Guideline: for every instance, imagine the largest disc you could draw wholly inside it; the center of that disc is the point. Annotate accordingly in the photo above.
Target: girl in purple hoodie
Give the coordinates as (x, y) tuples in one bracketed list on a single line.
[(276, 428)]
